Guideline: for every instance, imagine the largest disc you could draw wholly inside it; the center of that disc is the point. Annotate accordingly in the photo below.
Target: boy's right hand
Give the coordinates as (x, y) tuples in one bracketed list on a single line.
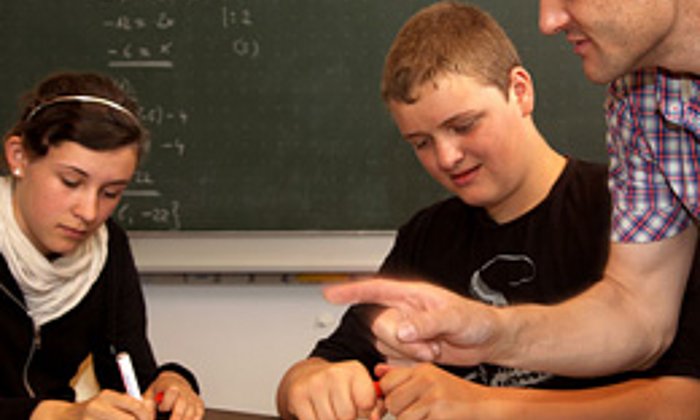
[(321, 390)]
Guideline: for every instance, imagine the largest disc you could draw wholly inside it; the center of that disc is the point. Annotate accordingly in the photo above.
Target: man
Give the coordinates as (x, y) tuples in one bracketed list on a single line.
[(526, 225), (654, 127)]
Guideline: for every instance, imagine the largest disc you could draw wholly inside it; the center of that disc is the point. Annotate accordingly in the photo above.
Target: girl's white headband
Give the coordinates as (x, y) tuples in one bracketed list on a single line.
[(86, 99)]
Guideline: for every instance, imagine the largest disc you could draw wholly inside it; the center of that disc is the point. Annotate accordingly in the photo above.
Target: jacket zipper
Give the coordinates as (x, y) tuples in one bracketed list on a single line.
[(36, 344)]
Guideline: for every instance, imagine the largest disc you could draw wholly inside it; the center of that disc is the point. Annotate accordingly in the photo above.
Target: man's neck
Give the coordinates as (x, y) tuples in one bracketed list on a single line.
[(680, 52)]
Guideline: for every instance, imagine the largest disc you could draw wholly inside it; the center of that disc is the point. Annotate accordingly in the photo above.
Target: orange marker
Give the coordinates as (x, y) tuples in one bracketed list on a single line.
[(378, 390)]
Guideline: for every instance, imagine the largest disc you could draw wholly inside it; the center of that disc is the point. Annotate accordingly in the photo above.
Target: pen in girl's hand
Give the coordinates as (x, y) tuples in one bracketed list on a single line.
[(126, 369)]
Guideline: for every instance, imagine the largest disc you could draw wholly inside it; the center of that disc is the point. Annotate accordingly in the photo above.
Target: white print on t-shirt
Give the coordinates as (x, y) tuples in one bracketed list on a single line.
[(502, 376)]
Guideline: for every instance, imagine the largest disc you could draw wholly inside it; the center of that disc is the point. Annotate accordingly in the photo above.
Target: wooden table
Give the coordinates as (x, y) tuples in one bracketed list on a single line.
[(218, 414)]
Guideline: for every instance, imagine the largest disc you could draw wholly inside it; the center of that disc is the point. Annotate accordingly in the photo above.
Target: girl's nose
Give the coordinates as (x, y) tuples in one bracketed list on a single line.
[(87, 208)]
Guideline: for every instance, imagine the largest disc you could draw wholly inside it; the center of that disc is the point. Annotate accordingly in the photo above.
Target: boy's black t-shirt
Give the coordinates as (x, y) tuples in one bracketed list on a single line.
[(553, 252)]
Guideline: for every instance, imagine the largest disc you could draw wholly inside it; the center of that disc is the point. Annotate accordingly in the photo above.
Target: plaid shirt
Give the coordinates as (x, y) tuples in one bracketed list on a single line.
[(653, 133)]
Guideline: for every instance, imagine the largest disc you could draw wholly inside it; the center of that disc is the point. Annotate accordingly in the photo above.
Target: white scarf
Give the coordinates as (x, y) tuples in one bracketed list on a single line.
[(50, 288)]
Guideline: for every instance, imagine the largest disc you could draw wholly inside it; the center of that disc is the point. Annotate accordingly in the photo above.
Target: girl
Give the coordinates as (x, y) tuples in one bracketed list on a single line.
[(69, 288)]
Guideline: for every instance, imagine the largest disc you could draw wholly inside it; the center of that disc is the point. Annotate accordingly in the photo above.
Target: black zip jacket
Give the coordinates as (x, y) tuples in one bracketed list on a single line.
[(37, 364)]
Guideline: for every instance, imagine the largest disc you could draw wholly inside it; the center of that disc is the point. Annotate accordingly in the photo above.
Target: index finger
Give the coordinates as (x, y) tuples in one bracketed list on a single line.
[(380, 291), (168, 399)]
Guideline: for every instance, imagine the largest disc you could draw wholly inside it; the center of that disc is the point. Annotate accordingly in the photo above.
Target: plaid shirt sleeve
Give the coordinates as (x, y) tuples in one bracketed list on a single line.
[(653, 124)]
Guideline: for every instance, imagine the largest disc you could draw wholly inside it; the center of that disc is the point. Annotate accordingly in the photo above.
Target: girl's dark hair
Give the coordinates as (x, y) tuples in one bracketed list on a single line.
[(94, 125)]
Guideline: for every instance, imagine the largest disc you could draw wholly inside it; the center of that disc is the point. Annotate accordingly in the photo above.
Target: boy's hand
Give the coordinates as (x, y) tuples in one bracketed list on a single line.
[(329, 391)]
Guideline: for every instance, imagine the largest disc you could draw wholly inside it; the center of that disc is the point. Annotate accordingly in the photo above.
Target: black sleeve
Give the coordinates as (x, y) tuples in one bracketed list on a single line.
[(353, 339), (17, 408), (182, 371), (126, 329), (126, 318)]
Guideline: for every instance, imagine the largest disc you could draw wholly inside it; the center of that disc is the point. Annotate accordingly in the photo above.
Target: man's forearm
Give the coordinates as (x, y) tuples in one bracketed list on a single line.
[(595, 334), (666, 397)]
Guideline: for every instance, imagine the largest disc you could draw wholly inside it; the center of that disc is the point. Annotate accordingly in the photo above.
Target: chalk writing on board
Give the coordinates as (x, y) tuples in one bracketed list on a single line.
[(245, 47), (145, 42), (238, 21), (176, 145), (142, 177), (168, 216), (128, 23), (233, 18), (158, 115), (129, 54)]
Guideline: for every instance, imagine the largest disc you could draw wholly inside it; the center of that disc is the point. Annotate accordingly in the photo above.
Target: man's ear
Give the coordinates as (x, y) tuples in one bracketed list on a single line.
[(522, 90), (15, 155)]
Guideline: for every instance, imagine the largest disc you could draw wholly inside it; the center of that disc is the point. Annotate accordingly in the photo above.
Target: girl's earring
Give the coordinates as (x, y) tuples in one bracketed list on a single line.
[(17, 172)]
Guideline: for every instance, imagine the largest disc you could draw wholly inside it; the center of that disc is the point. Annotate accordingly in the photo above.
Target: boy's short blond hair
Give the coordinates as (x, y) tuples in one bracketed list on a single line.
[(447, 37)]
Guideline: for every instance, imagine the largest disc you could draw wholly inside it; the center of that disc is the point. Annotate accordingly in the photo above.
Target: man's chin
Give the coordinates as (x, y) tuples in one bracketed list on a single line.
[(598, 75)]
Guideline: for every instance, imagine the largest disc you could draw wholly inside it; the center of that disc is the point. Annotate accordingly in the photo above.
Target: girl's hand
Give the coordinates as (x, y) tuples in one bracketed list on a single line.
[(171, 392)]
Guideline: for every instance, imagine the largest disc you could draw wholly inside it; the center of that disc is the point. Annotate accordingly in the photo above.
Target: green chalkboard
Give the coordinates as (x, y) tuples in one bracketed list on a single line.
[(265, 114)]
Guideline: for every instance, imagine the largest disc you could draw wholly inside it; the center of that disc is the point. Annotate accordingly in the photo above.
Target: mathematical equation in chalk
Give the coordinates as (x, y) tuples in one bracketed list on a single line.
[(147, 41), (165, 216), (241, 23), (130, 52)]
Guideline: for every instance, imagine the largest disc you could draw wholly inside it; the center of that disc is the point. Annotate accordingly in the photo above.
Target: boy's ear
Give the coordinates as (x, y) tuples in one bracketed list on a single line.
[(522, 90)]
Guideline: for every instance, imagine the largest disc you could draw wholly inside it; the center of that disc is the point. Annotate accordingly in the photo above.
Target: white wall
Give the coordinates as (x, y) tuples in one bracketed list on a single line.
[(239, 339)]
